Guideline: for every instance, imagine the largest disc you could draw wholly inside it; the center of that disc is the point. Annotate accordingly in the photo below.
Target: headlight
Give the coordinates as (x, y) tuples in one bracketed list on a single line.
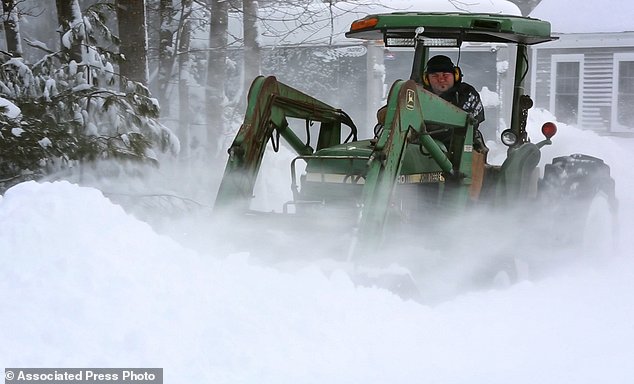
[(509, 138)]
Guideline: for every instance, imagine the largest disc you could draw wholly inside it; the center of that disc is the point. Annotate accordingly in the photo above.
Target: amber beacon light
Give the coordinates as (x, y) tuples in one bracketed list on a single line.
[(364, 23)]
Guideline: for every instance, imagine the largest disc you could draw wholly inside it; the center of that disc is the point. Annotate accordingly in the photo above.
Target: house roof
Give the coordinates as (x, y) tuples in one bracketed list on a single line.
[(586, 16)]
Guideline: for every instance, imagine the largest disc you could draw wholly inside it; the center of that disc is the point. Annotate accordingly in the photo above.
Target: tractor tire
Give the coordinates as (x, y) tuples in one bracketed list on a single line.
[(579, 194)]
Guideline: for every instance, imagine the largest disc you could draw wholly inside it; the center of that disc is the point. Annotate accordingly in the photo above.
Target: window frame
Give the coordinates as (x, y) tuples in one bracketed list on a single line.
[(618, 57), (566, 58)]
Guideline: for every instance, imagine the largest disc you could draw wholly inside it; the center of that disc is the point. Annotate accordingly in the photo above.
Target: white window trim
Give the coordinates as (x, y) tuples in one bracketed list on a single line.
[(617, 58), (566, 58)]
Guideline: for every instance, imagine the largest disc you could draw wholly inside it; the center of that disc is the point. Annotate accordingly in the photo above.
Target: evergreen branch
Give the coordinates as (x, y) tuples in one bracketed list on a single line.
[(11, 178), (39, 45)]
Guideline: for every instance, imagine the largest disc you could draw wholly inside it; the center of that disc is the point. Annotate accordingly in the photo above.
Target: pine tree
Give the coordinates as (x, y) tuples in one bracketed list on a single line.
[(71, 108)]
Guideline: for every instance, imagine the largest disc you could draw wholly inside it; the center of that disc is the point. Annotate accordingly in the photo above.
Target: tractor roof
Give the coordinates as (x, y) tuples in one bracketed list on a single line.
[(473, 27)]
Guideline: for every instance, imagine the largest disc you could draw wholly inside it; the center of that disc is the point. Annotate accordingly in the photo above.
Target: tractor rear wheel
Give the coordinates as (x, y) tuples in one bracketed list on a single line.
[(600, 231), (580, 194)]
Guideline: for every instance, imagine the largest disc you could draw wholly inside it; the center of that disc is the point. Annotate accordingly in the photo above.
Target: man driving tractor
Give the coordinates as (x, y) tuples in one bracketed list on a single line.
[(444, 79)]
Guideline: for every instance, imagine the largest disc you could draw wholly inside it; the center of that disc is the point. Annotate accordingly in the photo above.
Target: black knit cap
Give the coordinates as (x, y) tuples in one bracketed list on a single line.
[(440, 63)]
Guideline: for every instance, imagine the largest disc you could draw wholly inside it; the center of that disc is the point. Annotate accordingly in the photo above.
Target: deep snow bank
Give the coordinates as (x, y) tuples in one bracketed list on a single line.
[(82, 284)]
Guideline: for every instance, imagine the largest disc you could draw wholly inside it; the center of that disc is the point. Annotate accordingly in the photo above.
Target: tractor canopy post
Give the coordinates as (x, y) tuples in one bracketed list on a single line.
[(520, 102)]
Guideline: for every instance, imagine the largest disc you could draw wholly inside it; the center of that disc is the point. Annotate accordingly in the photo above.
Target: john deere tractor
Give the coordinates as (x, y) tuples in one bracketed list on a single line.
[(405, 176)]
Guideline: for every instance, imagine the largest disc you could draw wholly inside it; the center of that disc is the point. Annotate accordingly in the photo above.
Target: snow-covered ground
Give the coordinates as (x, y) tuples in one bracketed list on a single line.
[(84, 284)]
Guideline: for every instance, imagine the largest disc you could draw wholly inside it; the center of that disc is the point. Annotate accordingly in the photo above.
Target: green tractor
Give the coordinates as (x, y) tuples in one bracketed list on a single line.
[(404, 177)]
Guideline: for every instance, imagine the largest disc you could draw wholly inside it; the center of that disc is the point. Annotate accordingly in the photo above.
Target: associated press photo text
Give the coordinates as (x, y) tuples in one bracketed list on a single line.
[(84, 375)]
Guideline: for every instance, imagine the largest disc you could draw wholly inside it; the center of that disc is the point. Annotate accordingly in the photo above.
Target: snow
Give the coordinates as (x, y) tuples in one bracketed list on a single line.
[(85, 284), (66, 39), (10, 110), (45, 142), (615, 16), (502, 66), (489, 98)]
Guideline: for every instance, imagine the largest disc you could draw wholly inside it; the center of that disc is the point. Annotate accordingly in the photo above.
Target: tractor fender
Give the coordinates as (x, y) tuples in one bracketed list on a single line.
[(518, 174)]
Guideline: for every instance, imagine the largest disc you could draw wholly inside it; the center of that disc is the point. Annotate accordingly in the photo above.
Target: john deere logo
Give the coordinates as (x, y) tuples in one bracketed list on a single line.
[(410, 99)]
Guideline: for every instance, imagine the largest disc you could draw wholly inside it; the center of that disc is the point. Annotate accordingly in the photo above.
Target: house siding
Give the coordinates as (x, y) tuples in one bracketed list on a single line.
[(597, 87), (542, 82)]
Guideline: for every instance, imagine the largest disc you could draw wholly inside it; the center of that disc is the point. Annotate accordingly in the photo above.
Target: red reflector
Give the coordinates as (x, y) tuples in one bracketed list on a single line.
[(549, 129), (364, 23)]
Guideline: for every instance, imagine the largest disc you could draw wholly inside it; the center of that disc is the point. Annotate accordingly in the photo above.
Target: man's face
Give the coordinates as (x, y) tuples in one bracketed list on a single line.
[(441, 82)]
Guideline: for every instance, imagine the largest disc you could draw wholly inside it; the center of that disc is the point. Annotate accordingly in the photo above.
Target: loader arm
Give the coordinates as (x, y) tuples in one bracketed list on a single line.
[(270, 103), (409, 108)]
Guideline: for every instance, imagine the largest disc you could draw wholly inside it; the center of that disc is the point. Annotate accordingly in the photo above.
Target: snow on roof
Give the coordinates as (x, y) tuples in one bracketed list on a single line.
[(588, 16), (321, 23)]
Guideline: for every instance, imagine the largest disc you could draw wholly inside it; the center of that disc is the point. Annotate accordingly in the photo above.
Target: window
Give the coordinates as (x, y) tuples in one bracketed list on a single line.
[(565, 87), (625, 94), (567, 92)]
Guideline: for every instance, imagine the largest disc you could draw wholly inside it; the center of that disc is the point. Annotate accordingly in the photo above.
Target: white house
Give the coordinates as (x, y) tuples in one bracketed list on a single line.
[(587, 76)]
